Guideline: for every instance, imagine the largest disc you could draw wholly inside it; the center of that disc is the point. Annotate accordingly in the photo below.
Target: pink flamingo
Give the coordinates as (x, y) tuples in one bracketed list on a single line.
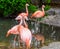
[(26, 35), (39, 14), (23, 16)]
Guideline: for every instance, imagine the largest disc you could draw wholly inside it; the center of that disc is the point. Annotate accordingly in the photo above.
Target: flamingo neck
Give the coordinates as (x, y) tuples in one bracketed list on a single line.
[(26, 10), (43, 9)]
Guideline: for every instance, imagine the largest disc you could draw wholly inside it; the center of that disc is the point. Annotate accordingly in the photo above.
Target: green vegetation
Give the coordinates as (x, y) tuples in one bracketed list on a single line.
[(32, 8), (13, 6), (47, 6), (8, 7), (47, 1)]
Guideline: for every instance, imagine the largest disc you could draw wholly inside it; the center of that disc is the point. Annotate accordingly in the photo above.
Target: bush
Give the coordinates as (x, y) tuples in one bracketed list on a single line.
[(47, 7), (10, 6), (47, 1), (32, 8)]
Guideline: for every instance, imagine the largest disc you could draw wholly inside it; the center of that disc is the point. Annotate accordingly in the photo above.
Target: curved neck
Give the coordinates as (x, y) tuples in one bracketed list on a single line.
[(26, 10), (43, 9)]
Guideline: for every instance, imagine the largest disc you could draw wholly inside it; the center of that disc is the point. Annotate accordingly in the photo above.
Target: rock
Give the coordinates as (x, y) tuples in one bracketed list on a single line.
[(45, 47), (51, 12), (53, 45)]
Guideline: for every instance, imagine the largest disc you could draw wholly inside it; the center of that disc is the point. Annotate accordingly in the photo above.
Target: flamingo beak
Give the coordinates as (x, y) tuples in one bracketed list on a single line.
[(26, 18), (16, 18)]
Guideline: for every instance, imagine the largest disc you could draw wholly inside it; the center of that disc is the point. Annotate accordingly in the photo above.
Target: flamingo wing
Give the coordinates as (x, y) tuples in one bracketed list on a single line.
[(38, 14), (13, 30)]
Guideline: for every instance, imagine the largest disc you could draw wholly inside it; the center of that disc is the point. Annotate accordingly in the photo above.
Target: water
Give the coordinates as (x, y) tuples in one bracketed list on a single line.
[(35, 28)]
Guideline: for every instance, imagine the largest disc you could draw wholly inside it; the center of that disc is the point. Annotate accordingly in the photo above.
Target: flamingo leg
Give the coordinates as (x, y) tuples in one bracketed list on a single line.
[(19, 40), (28, 46), (15, 42), (42, 42), (28, 42)]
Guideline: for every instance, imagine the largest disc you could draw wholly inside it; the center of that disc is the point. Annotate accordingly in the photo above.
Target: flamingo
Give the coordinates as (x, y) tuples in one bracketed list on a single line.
[(14, 31), (23, 32), (23, 16), (26, 35), (38, 13)]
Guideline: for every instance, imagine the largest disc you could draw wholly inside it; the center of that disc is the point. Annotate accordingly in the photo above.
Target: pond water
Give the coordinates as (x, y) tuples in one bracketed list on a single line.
[(6, 24)]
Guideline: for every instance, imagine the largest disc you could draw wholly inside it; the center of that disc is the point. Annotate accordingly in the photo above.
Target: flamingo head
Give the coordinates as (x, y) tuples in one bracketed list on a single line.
[(18, 18), (43, 6), (27, 4)]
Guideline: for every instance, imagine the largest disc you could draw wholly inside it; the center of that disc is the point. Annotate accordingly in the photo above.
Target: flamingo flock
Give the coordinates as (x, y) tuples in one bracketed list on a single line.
[(22, 29)]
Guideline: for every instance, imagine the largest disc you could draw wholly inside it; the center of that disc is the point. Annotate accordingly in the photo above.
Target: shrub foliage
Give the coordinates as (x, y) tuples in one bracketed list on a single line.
[(12, 6)]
